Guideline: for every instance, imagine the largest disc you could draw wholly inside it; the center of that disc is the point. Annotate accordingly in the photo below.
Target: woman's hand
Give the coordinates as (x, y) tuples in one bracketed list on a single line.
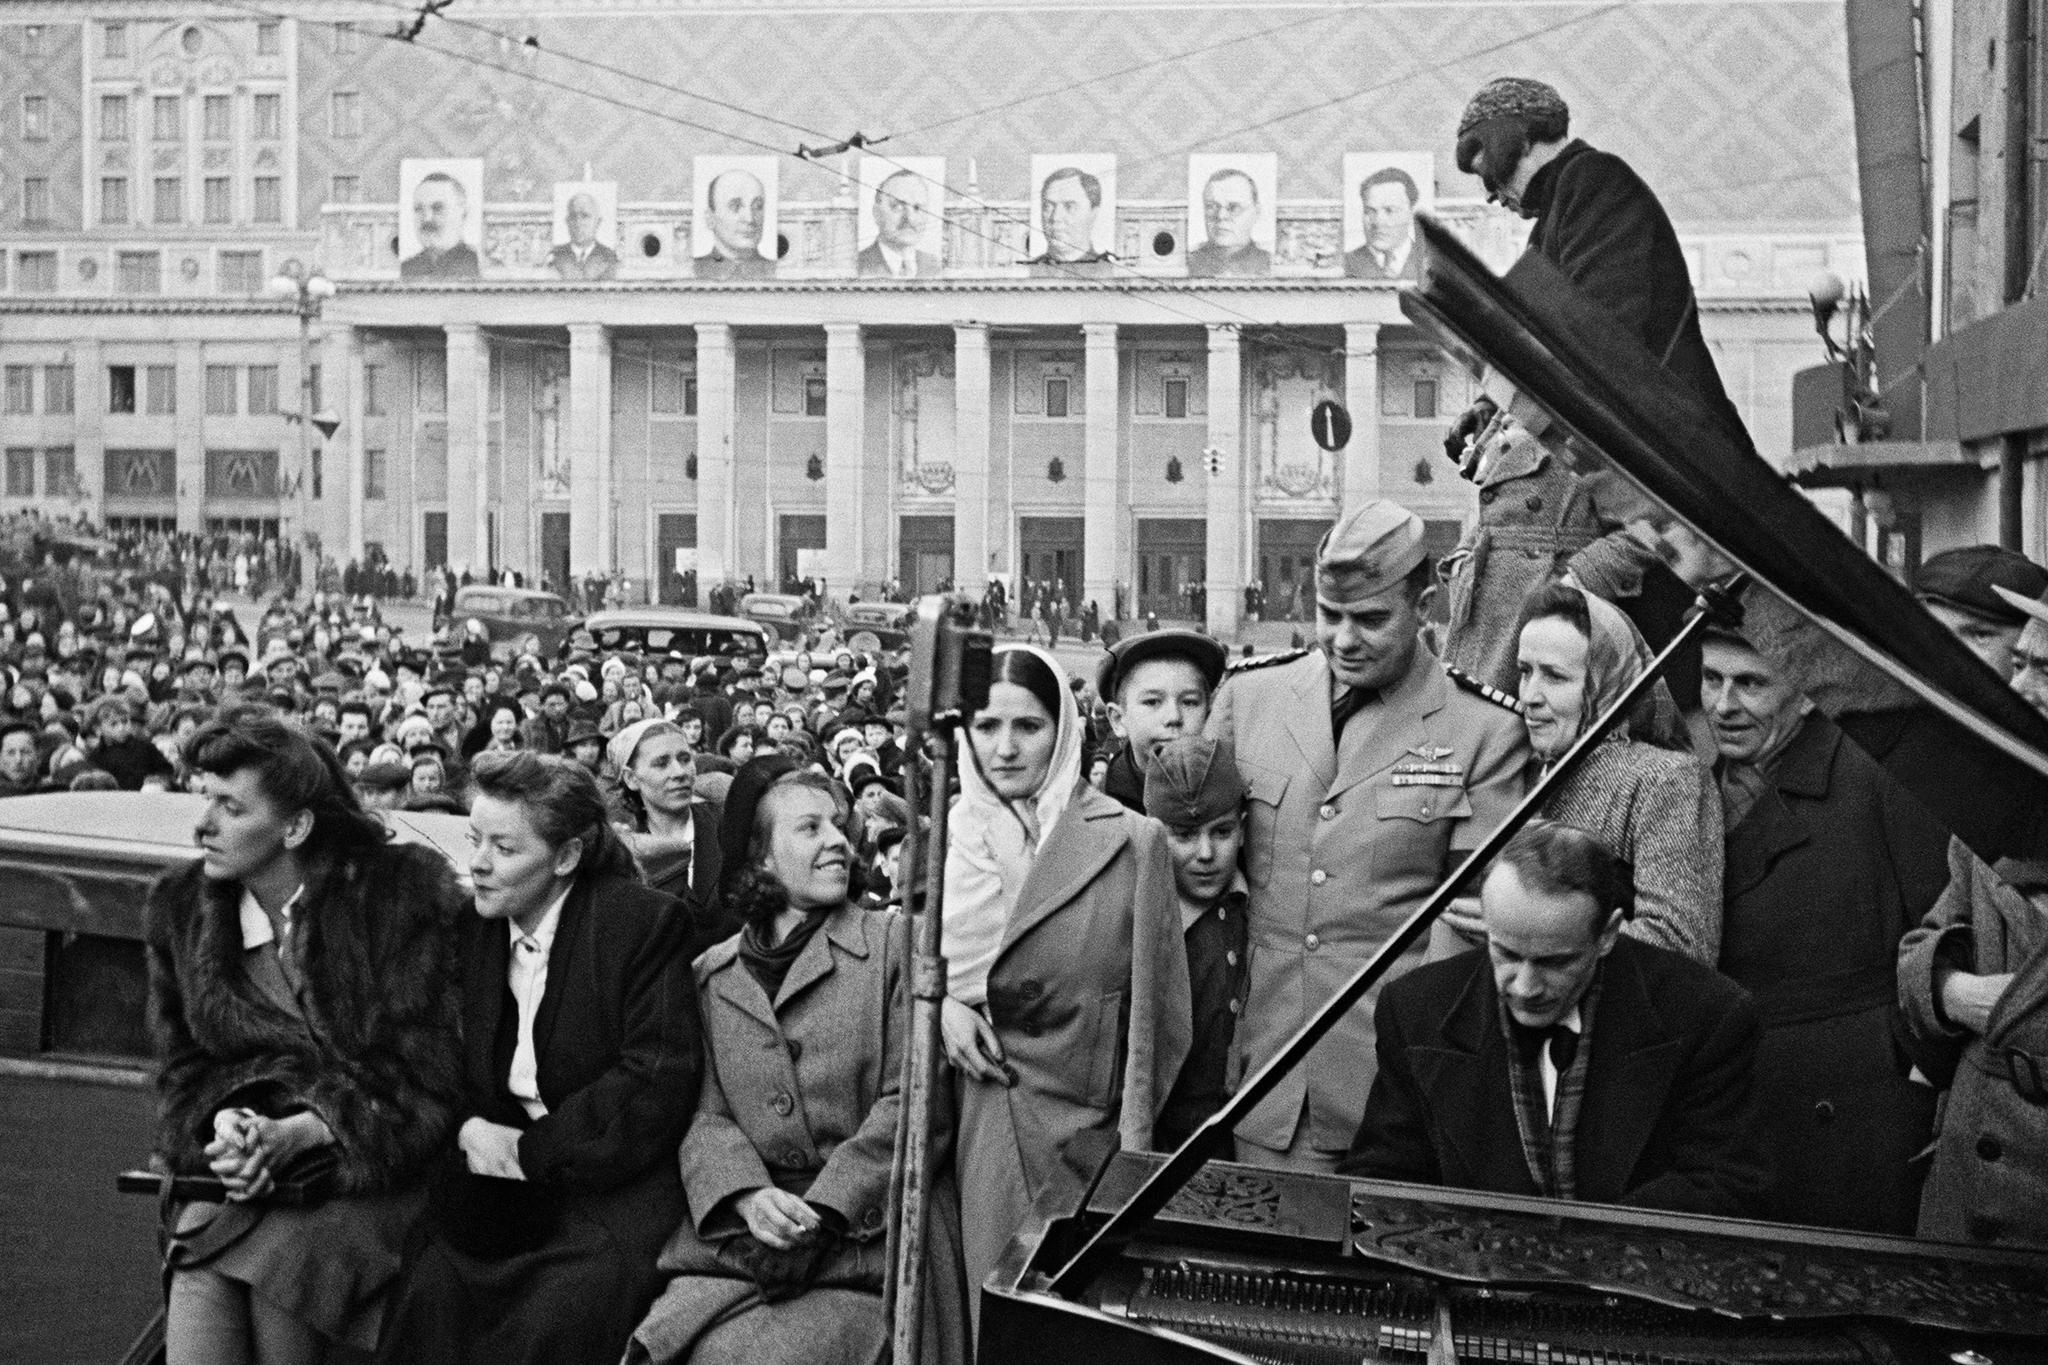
[(248, 1149), (778, 1218), (971, 1042), (1462, 917), (490, 1149)]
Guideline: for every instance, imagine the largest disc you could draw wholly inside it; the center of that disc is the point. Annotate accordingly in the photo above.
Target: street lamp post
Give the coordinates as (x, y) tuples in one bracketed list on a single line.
[(307, 290)]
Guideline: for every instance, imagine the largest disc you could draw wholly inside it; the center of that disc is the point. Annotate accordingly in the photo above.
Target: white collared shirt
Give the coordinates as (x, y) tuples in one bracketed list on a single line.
[(902, 264), (1394, 262), (256, 927), (528, 976), (1546, 1066)]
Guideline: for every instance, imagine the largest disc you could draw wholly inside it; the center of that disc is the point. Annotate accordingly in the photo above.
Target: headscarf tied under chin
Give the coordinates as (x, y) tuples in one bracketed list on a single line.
[(991, 844), (1616, 655)]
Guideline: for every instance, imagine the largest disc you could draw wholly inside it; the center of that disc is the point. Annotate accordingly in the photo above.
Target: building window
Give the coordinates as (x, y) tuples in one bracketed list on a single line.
[(220, 391), (60, 472), (36, 272), (168, 117), (113, 199), (35, 117), (1055, 396), (345, 189), (1174, 398), (346, 40), (814, 396), (114, 41), (217, 118), (219, 206), (160, 390), (673, 390), (266, 38), (35, 199), (241, 272), (269, 118), (345, 114), (430, 381), (58, 396), (373, 476), (138, 272), (113, 118), (120, 389), (21, 472), (269, 203), (32, 40), (263, 390), (170, 199), (373, 390), (1425, 398), (20, 396)]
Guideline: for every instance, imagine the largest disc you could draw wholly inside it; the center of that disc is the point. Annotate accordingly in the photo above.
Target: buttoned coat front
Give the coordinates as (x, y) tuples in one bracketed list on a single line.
[(1342, 844)]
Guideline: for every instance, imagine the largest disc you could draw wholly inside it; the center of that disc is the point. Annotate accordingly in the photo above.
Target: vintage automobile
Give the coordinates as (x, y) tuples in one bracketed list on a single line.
[(790, 617), (80, 1259), (519, 620), (888, 623), (660, 630)]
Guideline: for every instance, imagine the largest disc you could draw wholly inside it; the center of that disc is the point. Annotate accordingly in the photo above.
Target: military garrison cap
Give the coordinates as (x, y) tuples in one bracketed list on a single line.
[(1371, 550), (1193, 780)]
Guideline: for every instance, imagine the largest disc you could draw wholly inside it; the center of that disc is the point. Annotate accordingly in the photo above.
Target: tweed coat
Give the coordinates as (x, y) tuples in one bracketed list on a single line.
[(1341, 846), (803, 1093), (1669, 1115), (1089, 998), (1989, 1182), (1823, 877)]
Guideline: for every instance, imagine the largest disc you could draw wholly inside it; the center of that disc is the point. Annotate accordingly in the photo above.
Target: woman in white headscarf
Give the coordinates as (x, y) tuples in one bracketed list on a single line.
[(1067, 1002)]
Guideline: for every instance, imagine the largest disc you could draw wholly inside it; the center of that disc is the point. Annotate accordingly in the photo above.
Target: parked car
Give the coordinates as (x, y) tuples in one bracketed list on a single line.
[(658, 630), (888, 623), (786, 614), (519, 620)]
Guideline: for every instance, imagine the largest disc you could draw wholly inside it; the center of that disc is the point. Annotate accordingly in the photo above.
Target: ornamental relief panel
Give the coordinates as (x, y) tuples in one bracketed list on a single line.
[(1292, 468), (924, 422)]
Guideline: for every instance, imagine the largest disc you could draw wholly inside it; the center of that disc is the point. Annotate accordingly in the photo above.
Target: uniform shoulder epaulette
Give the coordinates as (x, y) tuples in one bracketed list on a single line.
[(1483, 689), (1237, 666)]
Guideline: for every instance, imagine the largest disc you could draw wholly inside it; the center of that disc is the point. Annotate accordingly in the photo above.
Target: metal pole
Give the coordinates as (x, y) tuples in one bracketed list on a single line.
[(300, 509)]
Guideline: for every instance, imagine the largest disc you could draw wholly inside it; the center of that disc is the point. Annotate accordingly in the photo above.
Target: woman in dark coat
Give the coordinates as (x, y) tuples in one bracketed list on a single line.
[(782, 1255), (580, 1063), (302, 1009)]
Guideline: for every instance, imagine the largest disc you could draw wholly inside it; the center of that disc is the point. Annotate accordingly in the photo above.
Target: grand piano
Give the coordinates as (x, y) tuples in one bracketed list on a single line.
[(1143, 1258)]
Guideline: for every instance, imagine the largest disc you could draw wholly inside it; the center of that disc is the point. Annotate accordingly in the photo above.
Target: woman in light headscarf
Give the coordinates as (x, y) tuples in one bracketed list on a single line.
[(1642, 792), (1067, 1002)]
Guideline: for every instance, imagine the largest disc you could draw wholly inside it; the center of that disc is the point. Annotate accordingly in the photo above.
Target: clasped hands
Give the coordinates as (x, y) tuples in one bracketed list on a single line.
[(248, 1149)]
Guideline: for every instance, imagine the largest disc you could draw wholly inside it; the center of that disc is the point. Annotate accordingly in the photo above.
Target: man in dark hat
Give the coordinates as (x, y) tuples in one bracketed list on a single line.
[(1155, 687), (1372, 771), (586, 745), (1960, 587), (548, 732), (1193, 787)]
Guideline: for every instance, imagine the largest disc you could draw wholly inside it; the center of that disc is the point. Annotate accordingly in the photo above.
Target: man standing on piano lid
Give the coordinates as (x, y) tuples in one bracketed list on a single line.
[(1564, 1059), (1371, 772)]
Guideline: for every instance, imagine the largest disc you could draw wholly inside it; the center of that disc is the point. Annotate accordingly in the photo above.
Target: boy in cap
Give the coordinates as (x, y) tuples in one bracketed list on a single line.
[(1155, 687), (1372, 772), (1192, 786)]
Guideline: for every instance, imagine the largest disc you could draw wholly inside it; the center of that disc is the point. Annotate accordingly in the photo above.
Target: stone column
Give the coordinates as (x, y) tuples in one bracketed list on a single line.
[(846, 391), (189, 424), (1224, 549), (1359, 477), (341, 379), (469, 486), (716, 531), (589, 446), (970, 457), (1099, 505)]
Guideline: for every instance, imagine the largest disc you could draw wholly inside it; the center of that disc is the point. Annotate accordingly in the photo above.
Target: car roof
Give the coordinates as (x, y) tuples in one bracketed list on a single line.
[(480, 588), (668, 616)]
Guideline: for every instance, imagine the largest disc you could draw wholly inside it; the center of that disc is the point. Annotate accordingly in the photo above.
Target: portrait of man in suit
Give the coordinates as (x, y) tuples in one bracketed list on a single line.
[(440, 229), (1387, 199), (903, 222), (1068, 202), (1230, 218), (735, 209), (583, 256)]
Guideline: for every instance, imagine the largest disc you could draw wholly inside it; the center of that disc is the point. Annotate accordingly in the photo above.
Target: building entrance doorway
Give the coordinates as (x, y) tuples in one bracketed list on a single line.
[(1173, 563)]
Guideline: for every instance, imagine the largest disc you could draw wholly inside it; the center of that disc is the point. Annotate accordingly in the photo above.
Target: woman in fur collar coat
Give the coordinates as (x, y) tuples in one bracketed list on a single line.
[(301, 1002)]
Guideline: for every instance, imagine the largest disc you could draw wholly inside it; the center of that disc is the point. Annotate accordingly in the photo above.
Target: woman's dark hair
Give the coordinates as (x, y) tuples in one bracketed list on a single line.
[(751, 890), (562, 800), (730, 738), (480, 733), (1560, 600), (1028, 671), (295, 768)]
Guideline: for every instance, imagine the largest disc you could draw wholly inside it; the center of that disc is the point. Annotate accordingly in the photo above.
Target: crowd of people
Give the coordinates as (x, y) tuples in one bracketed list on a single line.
[(632, 1092)]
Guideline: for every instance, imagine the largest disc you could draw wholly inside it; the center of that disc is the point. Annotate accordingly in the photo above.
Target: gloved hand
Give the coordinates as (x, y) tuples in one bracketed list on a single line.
[(1458, 440), (777, 1274)]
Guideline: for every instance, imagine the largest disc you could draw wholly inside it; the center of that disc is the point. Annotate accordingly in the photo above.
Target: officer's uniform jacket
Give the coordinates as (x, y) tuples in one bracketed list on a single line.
[(1342, 845)]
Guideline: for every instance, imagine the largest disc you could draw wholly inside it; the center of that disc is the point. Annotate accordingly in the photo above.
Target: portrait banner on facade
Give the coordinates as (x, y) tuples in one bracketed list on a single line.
[(1383, 191), (732, 221), (1073, 207), (902, 217), (586, 230), (440, 218), (1233, 213)]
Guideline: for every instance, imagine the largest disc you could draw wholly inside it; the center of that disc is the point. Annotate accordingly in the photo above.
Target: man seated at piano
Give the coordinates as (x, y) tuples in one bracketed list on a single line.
[(1564, 1059)]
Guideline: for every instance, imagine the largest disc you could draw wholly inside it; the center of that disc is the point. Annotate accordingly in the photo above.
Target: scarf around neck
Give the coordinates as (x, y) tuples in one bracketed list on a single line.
[(770, 963)]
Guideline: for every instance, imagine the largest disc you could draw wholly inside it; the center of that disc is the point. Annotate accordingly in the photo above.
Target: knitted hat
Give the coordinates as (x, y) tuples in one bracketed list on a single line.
[(1517, 97)]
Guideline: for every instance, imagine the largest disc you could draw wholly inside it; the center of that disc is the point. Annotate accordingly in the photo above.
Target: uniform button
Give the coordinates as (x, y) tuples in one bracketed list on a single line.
[(1318, 877), (1234, 1006), (1534, 503), (872, 1218), (1990, 1148), (1312, 943), (1425, 808), (1488, 494), (792, 1159), (1825, 1111), (1328, 812), (1231, 957), (782, 1103), (1222, 912)]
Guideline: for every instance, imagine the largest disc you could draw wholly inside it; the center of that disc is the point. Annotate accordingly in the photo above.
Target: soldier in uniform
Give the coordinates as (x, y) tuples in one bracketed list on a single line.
[(1371, 770)]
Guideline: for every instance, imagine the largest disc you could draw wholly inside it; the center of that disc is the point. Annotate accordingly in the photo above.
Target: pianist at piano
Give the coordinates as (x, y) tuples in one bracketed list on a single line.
[(1565, 1058)]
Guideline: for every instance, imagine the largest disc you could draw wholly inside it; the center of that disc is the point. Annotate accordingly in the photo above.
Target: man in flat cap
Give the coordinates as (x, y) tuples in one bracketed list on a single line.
[(1371, 772), (1155, 687), (1960, 589), (1193, 787)]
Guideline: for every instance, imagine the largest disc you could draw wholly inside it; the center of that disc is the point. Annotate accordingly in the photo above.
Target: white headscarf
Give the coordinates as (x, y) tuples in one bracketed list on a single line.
[(991, 844)]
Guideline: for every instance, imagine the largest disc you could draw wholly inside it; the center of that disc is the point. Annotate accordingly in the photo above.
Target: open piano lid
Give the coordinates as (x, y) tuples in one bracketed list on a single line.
[(1569, 356)]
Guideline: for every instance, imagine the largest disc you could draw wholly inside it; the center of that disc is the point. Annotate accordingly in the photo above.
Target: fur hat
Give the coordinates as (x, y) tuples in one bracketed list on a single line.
[(1518, 97)]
